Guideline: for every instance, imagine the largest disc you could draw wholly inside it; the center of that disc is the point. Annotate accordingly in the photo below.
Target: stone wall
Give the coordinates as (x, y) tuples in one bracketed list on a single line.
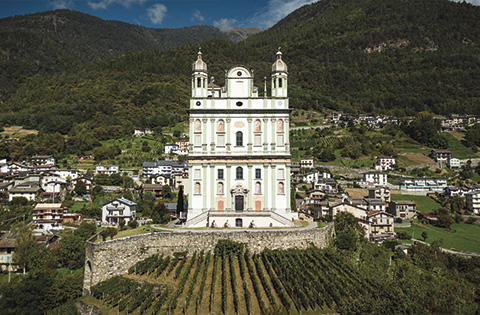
[(110, 258)]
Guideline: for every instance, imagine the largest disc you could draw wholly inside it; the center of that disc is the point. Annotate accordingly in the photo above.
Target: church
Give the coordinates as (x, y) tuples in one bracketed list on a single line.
[(239, 157)]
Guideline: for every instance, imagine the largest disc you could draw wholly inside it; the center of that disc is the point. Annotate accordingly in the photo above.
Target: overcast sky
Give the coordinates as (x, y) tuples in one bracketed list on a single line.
[(171, 13)]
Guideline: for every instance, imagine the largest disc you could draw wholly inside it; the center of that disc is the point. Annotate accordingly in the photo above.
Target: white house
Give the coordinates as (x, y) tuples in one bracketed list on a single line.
[(107, 169), (306, 163), (423, 183), (29, 192), (472, 199), (374, 178), (67, 174), (453, 162), (239, 157), (171, 147), (43, 160), (384, 163), (53, 184), (115, 210), (163, 168)]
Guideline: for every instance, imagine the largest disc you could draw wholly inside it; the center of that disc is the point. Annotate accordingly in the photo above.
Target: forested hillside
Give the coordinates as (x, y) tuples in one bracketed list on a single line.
[(55, 41), (395, 57)]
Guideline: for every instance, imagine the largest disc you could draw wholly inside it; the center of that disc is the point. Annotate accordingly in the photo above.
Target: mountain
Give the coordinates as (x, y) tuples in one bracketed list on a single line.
[(379, 56), (54, 41)]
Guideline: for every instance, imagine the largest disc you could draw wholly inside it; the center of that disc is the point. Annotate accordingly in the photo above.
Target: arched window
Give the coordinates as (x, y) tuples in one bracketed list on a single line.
[(221, 126), (199, 82), (280, 82), (258, 188), (239, 173), (281, 188), (239, 139), (220, 189), (258, 125), (198, 189)]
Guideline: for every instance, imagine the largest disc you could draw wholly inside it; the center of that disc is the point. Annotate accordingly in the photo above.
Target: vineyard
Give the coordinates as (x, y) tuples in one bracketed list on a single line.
[(232, 281)]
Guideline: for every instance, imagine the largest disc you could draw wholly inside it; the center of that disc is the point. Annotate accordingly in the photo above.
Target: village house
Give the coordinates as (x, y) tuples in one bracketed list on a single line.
[(155, 189), (28, 191), (441, 156), (380, 225), (67, 174), (314, 176), (374, 178), (7, 249), (170, 148), (139, 132), (379, 192), (423, 183), (43, 160), (384, 163), (472, 200), (453, 163), (376, 204), (48, 216), (115, 210), (163, 168), (107, 169), (326, 185), (403, 209), (306, 163)]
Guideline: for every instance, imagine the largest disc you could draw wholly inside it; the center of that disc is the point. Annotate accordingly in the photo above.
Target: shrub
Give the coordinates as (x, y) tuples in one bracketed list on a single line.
[(403, 235)]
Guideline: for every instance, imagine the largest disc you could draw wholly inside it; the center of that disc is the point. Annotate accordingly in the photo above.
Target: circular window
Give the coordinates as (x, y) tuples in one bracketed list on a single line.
[(239, 73), (239, 103), (198, 103), (280, 103)]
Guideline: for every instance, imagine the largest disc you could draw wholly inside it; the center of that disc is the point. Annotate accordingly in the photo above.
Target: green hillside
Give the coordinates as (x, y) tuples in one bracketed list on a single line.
[(379, 56)]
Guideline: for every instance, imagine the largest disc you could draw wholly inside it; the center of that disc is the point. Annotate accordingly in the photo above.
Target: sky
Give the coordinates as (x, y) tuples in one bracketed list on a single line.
[(223, 14)]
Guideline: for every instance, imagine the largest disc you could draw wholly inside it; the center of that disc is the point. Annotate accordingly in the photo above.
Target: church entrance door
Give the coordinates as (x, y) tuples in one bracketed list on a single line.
[(239, 202)]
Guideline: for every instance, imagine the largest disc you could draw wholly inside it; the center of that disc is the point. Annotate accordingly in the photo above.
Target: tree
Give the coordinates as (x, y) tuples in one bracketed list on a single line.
[(161, 215), (108, 232), (166, 192), (424, 235), (145, 147), (133, 224), (348, 231), (29, 254), (293, 199), (403, 235), (122, 223), (180, 202), (445, 221), (80, 188)]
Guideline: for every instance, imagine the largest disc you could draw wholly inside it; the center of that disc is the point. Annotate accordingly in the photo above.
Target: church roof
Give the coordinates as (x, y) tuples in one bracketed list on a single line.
[(279, 65), (199, 64)]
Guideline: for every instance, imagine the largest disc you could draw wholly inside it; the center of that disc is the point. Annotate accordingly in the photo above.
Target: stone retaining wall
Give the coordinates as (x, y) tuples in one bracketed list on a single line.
[(110, 258)]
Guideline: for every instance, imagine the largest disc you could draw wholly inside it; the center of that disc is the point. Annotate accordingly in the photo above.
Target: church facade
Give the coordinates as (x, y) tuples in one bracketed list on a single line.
[(239, 157)]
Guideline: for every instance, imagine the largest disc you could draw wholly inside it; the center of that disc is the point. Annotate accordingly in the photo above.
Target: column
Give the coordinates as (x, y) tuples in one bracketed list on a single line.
[(204, 135), (250, 136), (212, 134), (228, 171), (251, 188)]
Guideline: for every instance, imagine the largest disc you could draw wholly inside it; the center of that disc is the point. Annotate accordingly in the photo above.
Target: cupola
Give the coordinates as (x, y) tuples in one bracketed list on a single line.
[(279, 65), (199, 64)]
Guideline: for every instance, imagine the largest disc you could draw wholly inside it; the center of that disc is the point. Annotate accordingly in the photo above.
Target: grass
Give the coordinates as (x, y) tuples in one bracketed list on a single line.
[(4, 277), (424, 203), (458, 149), (77, 206), (462, 236), (130, 232)]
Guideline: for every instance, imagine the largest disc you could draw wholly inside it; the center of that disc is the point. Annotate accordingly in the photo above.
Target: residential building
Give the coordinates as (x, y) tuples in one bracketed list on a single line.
[(376, 205), (155, 189), (326, 185), (28, 191), (314, 176), (379, 192), (380, 225), (441, 156), (43, 160), (48, 216), (239, 155), (472, 200), (67, 174), (404, 209), (453, 163), (115, 210), (306, 163), (87, 181), (7, 249), (423, 183), (163, 168), (384, 163), (170, 148), (139, 132), (107, 169), (374, 178), (321, 208)]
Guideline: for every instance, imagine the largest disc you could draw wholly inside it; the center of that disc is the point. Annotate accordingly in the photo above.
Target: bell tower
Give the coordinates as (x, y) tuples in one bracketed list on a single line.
[(199, 77), (279, 77)]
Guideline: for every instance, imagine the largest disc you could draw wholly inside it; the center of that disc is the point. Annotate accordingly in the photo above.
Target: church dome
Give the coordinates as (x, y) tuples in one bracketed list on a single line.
[(199, 64), (279, 65)]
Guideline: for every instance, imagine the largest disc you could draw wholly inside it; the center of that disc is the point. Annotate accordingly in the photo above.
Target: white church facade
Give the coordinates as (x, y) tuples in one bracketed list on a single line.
[(239, 157)]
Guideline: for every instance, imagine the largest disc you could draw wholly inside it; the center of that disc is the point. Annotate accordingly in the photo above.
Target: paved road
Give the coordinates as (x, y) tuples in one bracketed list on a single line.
[(311, 225), (310, 127)]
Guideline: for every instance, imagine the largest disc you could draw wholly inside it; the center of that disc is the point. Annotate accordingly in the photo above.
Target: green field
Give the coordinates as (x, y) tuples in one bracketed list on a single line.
[(424, 203), (77, 206), (463, 237), (459, 151)]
